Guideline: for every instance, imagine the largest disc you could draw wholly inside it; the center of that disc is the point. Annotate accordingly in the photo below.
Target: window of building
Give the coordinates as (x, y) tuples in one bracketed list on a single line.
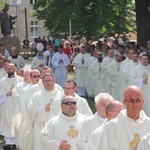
[(32, 2), (34, 28)]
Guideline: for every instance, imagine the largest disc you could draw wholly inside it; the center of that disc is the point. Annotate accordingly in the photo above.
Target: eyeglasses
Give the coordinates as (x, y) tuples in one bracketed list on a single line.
[(70, 103), (131, 101), (36, 76), (69, 88)]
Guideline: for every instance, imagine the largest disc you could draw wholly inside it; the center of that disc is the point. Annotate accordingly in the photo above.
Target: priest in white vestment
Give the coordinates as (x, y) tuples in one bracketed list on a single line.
[(95, 68), (24, 126), (60, 61), (26, 93), (40, 106), (16, 59), (128, 69), (81, 63), (126, 131), (121, 87), (90, 124), (113, 75), (39, 60), (17, 91), (104, 68), (61, 132), (70, 88), (139, 77), (89, 87), (113, 108), (37, 87), (7, 84)]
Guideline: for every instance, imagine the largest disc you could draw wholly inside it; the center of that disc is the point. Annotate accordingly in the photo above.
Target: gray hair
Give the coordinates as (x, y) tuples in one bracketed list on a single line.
[(101, 96)]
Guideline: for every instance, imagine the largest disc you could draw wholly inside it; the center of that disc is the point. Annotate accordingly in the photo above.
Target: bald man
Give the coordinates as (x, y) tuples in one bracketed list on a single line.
[(126, 131), (112, 109), (94, 121), (7, 84), (16, 59)]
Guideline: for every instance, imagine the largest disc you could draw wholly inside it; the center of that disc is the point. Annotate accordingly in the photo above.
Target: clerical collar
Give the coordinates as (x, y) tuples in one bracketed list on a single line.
[(133, 120), (14, 56)]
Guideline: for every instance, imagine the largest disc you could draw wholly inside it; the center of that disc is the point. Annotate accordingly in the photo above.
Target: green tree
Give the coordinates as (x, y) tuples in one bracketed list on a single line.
[(88, 17)]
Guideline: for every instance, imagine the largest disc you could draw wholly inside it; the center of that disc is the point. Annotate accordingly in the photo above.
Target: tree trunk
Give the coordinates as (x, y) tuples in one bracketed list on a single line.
[(143, 21)]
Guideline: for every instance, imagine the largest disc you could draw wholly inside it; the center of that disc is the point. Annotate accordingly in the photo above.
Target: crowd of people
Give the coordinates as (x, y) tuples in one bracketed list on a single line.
[(41, 108)]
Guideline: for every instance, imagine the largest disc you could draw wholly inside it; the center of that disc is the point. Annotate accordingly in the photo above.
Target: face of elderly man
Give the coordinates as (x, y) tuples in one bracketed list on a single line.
[(69, 106), (133, 101), (100, 103)]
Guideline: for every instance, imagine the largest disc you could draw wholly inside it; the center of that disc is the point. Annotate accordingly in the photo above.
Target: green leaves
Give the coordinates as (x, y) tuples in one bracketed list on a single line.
[(88, 17)]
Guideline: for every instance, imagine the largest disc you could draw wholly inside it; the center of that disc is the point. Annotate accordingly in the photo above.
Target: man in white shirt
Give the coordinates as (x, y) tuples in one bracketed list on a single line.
[(121, 86), (61, 132), (112, 109), (40, 106), (94, 121), (39, 60), (113, 75), (60, 61), (70, 88), (124, 132), (104, 68), (139, 77), (127, 70), (81, 63), (7, 84), (16, 59), (48, 54)]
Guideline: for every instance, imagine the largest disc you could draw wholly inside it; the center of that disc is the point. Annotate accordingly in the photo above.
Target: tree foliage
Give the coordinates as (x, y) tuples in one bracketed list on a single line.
[(88, 17)]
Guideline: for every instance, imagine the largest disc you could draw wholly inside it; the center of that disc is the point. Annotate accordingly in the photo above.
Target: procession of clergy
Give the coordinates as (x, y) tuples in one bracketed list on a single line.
[(43, 110)]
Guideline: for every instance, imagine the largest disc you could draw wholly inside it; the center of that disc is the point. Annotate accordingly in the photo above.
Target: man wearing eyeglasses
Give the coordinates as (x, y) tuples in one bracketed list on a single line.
[(70, 88), (7, 84), (39, 86), (26, 92), (126, 131), (61, 132), (39, 107)]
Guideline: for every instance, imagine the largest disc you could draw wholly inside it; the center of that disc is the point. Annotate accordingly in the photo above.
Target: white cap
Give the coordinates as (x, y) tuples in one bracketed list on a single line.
[(39, 47)]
